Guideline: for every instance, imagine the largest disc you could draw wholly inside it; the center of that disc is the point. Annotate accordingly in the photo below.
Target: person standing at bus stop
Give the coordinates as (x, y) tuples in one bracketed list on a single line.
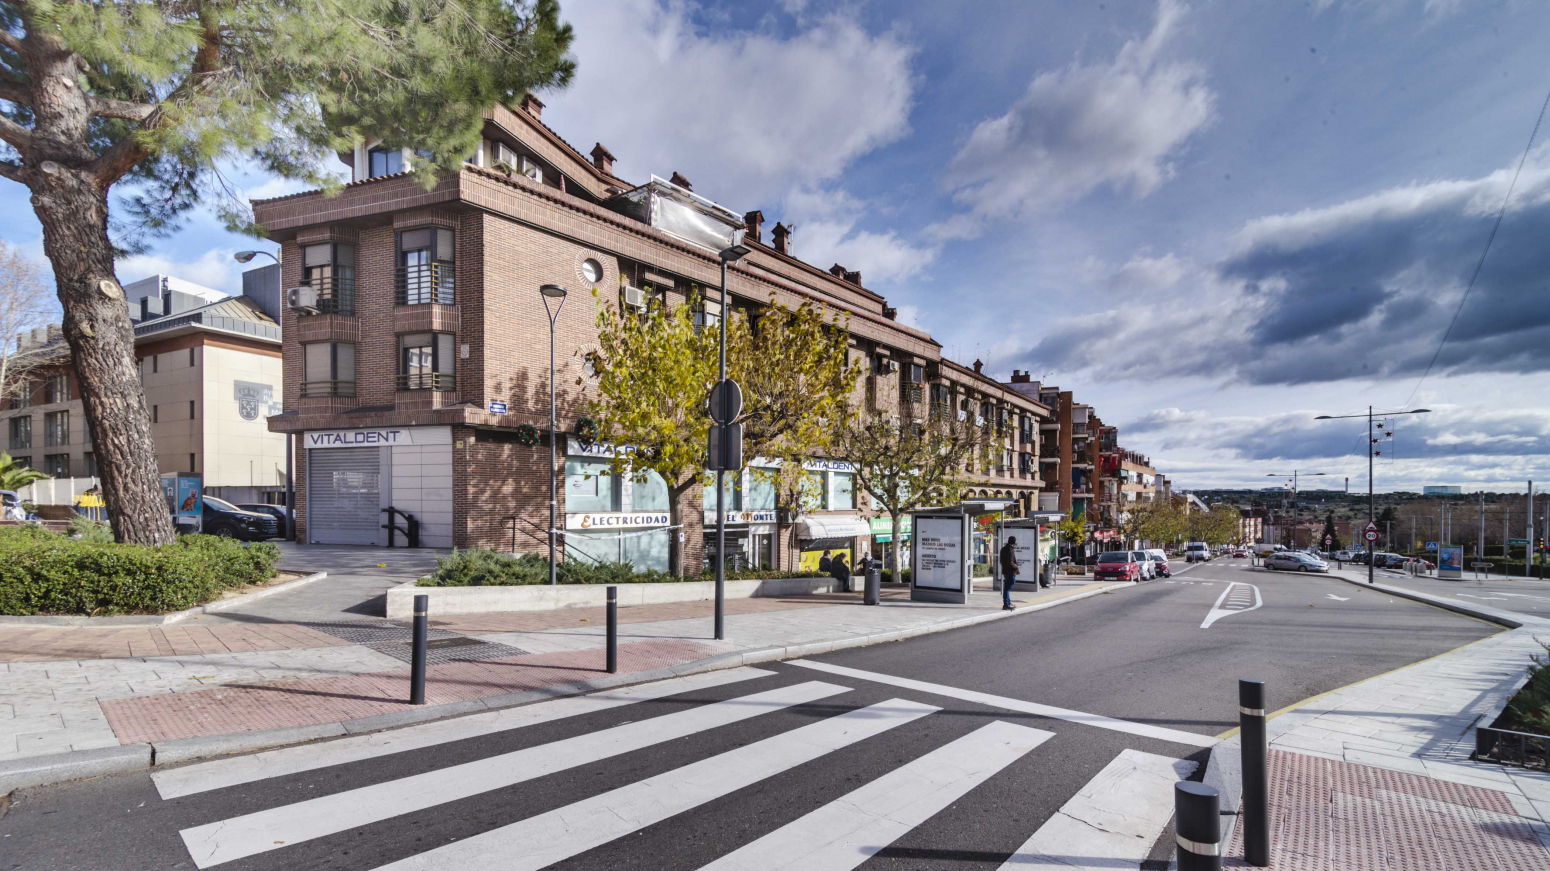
[(1009, 566)]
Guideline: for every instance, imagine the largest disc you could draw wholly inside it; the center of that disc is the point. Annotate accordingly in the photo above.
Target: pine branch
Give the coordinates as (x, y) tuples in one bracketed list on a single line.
[(106, 107), (15, 135), (15, 92), (11, 170), (10, 41)]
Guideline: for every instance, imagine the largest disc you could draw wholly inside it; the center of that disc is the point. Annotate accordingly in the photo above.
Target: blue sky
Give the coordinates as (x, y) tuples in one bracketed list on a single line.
[(1211, 220)]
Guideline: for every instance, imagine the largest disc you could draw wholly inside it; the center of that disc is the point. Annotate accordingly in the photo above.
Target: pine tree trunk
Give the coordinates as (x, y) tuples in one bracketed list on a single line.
[(74, 214)]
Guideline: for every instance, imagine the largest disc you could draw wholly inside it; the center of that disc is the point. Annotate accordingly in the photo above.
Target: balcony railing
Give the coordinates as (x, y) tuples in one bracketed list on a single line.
[(426, 283), (328, 388), (941, 411), (911, 393), (427, 381), (336, 294)]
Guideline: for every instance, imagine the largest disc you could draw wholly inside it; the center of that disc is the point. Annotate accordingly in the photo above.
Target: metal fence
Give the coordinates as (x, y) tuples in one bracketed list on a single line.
[(1523, 749)]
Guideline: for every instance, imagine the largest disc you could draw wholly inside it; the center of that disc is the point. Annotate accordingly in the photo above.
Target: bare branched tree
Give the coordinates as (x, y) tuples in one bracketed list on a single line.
[(26, 303)]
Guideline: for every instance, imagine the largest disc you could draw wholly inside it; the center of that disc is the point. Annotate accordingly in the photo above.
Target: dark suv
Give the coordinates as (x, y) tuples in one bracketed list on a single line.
[(228, 521)]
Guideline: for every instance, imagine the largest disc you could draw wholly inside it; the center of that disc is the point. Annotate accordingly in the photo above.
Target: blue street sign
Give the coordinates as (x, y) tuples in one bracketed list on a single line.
[(497, 407), (1431, 545)]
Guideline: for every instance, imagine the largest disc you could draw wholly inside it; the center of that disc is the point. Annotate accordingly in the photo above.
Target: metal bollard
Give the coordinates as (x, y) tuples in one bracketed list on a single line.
[(873, 593), (613, 629), (1198, 823), (1256, 773), (422, 632)]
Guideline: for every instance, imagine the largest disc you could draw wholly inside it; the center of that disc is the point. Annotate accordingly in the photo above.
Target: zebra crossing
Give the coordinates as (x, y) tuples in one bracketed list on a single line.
[(1111, 821)]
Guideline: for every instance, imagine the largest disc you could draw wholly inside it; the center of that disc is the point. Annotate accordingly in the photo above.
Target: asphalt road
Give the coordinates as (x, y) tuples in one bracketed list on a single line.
[(685, 779), (1523, 595)]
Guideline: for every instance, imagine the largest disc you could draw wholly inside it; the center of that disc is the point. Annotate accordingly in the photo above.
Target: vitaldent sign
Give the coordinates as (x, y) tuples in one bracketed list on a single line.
[(379, 437), (617, 520)]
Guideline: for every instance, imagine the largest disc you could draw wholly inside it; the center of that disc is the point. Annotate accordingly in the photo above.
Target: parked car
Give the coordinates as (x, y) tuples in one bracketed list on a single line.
[(228, 521), (1117, 565), (1295, 561), (1240, 553), (1345, 555), (1160, 561), (1385, 560), (1197, 551), (1144, 560), (278, 512)]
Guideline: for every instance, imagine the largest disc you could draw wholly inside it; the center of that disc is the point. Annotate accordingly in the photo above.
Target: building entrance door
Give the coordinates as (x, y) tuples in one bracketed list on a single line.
[(344, 495)]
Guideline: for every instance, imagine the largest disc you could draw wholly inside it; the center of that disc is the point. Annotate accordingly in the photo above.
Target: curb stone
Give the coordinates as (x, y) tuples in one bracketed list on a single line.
[(160, 619), (62, 767)]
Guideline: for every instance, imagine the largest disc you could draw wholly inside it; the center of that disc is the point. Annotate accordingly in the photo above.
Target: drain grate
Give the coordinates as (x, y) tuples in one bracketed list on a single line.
[(397, 640)]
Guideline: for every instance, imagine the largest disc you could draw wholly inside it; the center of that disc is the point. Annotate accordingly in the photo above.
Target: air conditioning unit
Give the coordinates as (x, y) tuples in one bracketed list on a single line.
[(634, 297), (887, 365), (302, 298)]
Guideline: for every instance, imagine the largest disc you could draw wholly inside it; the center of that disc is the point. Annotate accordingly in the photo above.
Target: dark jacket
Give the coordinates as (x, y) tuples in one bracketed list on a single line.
[(1008, 561), (839, 569), (825, 564)]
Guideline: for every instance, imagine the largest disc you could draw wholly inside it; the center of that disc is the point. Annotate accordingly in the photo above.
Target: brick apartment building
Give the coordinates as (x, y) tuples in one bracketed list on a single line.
[(421, 350), (210, 367)]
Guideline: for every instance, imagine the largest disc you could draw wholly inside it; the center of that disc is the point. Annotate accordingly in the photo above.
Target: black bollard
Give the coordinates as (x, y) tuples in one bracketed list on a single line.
[(422, 631), (1256, 773), (613, 629), (1197, 818)]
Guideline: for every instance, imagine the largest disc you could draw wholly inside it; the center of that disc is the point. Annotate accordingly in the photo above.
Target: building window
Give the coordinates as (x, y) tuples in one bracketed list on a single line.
[(330, 269), (190, 356), (193, 465), (425, 267), (649, 494), (91, 465), (815, 494), (425, 361), (156, 414), (384, 161), (191, 409), (707, 314), (56, 428), (22, 462), (23, 397), (842, 491), (155, 363), (57, 388), (57, 465), (761, 489), (590, 486), (21, 432), (328, 369)]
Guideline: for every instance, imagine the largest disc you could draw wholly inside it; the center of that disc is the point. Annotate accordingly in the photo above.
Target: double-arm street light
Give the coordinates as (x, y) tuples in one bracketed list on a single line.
[(549, 292), (727, 255), (1371, 517), (1293, 476)]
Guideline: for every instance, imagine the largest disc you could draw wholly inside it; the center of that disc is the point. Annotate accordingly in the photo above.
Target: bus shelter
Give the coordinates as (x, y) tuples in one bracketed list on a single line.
[(1033, 547)]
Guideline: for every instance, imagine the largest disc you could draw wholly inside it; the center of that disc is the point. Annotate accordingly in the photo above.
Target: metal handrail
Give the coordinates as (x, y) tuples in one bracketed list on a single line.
[(543, 538), (427, 381), (426, 283), (411, 528), (336, 294), (328, 388)]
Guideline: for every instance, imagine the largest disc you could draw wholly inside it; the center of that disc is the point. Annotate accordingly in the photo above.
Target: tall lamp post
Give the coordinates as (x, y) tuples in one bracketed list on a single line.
[(727, 255), (556, 292), (1371, 515), (1293, 476)]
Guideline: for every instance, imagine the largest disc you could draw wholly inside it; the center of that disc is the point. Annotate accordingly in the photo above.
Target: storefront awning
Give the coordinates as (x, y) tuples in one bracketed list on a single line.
[(842, 526)]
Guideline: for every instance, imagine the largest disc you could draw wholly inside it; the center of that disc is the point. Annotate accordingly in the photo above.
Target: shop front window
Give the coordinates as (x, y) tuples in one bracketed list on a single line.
[(842, 491), (590, 487), (761, 490), (649, 494)]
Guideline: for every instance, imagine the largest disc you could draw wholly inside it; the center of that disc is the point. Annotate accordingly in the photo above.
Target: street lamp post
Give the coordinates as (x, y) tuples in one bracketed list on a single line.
[(1371, 516), (1293, 476), (245, 256), (552, 291), (728, 255)]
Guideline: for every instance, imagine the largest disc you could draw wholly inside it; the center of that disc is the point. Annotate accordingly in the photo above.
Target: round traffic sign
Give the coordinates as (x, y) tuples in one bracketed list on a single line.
[(1370, 535), (726, 401)]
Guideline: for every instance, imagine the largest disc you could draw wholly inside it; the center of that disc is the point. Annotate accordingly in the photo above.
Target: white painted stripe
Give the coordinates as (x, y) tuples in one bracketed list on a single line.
[(235, 770), (1217, 612), (1111, 822), (270, 829), (1010, 704), (540, 841), (847, 831)]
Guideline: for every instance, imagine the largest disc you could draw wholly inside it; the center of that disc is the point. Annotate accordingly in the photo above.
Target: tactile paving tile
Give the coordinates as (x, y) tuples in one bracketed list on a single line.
[(474, 652), (371, 632)]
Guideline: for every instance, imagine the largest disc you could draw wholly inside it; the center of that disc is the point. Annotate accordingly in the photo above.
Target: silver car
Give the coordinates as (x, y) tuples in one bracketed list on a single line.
[(1148, 568), (1295, 561)]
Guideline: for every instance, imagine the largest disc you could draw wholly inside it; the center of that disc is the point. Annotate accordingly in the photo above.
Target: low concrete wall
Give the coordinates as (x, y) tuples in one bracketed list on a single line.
[(542, 597)]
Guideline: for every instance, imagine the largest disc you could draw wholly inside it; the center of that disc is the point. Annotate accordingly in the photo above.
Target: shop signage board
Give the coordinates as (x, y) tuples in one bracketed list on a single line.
[(378, 437), (617, 520), (740, 516), (884, 525), (939, 561), (1517, 542)]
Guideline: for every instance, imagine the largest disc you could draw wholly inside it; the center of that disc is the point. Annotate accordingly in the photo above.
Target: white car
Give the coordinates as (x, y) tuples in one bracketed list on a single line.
[(1148, 568), (1197, 551)]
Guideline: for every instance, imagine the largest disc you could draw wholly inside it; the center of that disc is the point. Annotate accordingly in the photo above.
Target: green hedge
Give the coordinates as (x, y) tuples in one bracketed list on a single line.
[(487, 568), (1529, 709), (45, 573)]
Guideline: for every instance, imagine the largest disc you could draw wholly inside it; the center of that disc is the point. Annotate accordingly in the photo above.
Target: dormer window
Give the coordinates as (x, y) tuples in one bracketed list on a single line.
[(384, 161)]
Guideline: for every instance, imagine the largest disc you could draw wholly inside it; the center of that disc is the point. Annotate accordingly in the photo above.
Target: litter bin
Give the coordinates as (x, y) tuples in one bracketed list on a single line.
[(873, 594), (1049, 575)]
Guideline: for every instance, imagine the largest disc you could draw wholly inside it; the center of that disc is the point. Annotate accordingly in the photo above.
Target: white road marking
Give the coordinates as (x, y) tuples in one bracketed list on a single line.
[(1468, 596), (552, 837), (1527, 596), (1144, 729), (231, 771), (1338, 598), (254, 833), (846, 832), (1238, 598), (1111, 822)]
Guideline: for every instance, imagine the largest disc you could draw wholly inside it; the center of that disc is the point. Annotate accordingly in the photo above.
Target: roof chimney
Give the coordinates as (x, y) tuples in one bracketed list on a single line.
[(782, 236), (533, 106), (755, 222), (890, 312), (603, 159), (837, 271), (979, 367), (853, 277), (1022, 377), (679, 180)]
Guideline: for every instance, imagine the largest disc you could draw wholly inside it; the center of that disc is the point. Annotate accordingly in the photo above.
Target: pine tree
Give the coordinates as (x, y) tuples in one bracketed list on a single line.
[(155, 98), (1330, 534)]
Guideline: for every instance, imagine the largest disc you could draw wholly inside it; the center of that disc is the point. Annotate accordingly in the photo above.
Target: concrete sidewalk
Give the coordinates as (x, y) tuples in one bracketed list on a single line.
[(1378, 774), (239, 686)]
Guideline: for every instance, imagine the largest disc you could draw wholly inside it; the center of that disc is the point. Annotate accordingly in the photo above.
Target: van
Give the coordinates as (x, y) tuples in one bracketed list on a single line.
[(1261, 549), (1197, 551)]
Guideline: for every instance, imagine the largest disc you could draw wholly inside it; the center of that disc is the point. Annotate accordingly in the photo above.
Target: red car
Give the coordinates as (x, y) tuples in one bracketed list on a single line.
[(1117, 565)]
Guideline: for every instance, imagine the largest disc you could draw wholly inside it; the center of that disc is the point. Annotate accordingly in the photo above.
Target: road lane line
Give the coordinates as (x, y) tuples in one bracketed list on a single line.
[(1112, 821), (1236, 599), (848, 831), (552, 837), (258, 832), (1143, 729), (235, 770)]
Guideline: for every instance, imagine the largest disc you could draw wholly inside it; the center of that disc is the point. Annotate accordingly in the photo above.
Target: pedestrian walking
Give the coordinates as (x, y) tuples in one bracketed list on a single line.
[(1009, 567)]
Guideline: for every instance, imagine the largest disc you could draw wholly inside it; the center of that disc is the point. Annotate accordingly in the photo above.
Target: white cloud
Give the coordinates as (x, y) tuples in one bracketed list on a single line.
[(745, 115), (1118, 124), (214, 269), (826, 233)]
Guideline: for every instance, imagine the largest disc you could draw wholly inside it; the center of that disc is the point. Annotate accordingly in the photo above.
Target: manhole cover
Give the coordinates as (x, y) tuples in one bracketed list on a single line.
[(449, 642)]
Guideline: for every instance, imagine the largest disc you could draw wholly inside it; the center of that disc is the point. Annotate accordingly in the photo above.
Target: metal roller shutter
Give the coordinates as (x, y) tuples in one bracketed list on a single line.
[(344, 495)]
